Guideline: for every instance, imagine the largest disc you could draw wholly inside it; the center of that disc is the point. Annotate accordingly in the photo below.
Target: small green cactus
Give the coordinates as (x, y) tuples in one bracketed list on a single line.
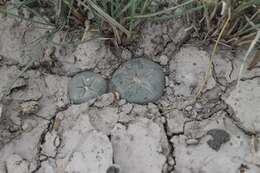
[(139, 81), (85, 86)]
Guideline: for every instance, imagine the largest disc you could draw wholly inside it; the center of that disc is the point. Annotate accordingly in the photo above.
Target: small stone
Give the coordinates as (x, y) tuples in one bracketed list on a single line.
[(152, 108), (1, 110), (16, 119), (57, 141), (29, 124), (188, 108), (122, 102), (124, 118), (175, 122), (127, 108), (171, 161), (105, 100), (164, 60), (198, 106), (167, 82), (169, 91), (126, 54), (139, 110), (192, 141), (30, 107), (163, 120)]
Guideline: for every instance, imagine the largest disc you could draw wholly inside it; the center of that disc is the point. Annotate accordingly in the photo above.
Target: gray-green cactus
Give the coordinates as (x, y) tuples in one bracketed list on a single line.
[(85, 86), (139, 81)]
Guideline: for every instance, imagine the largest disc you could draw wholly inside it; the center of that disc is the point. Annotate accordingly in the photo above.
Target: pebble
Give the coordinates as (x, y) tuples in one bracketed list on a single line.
[(167, 82), (175, 122), (188, 108), (105, 100), (1, 110), (152, 107), (122, 102), (127, 108), (198, 106), (126, 54), (139, 110), (164, 60), (30, 107), (26, 126), (124, 118), (192, 141), (171, 161)]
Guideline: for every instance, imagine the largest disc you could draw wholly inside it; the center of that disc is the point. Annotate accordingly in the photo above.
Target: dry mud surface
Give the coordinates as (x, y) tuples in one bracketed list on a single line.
[(41, 132)]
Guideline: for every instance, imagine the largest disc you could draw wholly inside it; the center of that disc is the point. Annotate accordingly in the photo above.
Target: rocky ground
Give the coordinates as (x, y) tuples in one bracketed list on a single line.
[(41, 132)]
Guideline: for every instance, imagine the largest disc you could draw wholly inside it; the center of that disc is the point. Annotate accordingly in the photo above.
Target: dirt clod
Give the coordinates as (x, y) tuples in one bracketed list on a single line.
[(219, 137)]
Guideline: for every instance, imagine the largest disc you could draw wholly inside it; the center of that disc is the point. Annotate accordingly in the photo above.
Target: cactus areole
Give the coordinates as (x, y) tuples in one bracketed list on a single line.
[(85, 86), (139, 81)]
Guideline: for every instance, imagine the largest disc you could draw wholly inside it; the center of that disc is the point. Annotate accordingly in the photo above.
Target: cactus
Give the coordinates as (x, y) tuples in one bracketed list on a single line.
[(85, 86), (139, 81)]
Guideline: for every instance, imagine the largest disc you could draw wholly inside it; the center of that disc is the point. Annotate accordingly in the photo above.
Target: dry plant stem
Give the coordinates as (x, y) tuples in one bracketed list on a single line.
[(247, 39), (85, 30), (145, 5), (251, 47), (209, 72), (163, 11), (206, 14), (254, 61), (108, 18)]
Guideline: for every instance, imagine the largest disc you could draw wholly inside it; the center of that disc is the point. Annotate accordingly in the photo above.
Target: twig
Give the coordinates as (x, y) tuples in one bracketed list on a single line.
[(212, 54)]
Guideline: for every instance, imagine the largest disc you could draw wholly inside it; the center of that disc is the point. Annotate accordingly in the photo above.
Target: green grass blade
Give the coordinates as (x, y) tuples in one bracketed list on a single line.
[(108, 18), (121, 12), (145, 5), (174, 16), (163, 11), (133, 10), (246, 5)]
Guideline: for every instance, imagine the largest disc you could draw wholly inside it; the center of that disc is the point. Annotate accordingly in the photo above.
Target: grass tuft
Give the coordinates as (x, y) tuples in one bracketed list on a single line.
[(211, 18), (122, 17)]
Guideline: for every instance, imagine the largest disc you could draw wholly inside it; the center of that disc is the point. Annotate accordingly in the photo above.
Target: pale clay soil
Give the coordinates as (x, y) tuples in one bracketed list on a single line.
[(40, 132)]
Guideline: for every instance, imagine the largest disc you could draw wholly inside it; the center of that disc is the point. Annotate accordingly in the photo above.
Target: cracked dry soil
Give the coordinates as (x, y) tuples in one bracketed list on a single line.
[(41, 132)]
